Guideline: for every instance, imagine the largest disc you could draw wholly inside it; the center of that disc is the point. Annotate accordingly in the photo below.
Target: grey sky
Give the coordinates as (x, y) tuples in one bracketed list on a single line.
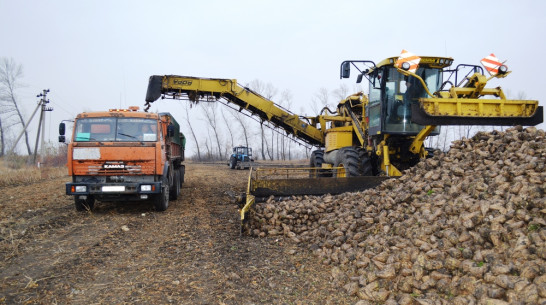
[(95, 55)]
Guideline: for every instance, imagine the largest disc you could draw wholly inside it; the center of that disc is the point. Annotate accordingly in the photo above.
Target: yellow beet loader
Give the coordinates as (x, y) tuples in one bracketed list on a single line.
[(368, 137)]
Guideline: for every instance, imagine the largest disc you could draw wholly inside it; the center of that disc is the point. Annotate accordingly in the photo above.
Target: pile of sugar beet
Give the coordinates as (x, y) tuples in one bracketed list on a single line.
[(463, 227)]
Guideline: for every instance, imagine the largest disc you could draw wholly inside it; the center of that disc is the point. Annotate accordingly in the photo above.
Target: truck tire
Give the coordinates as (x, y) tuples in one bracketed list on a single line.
[(161, 201), (182, 171), (84, 204), (347, 157), (232, 163), (316, 160), (175, 190)]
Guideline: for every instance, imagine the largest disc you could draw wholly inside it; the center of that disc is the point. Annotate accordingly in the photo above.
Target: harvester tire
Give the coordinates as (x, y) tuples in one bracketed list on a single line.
[(84, 204), (348, 158), (161, 201), (366, 164), (316, 160), (232, 163)]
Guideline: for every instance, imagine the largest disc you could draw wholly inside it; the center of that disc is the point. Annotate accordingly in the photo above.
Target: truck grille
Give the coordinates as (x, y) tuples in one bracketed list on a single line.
[(129, 169)]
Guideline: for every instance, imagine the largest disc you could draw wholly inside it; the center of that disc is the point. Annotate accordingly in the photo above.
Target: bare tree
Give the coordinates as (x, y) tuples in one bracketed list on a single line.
[(341, 92), (268, 91), (243, 123), (211, 115), (228, 126), (188, 105), (319, 100), (10, 75), (285, 101)]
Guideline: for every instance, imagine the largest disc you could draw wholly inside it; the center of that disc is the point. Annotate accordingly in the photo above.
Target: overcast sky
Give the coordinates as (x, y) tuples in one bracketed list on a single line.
[(96, 55)]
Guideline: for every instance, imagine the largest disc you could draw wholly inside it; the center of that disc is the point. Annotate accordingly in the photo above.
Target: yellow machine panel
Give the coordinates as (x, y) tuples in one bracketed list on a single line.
[(338, 137)]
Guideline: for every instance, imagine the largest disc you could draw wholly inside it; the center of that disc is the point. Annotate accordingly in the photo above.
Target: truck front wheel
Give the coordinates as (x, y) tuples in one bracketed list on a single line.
[(161, 201), (84, 204)]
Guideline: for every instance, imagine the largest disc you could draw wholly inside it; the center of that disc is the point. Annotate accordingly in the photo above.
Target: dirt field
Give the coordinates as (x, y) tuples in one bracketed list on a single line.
[(130, 254)]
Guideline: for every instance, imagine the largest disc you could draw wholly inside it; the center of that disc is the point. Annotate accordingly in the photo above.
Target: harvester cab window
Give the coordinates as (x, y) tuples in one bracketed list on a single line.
[(374, 108), (399, 93)]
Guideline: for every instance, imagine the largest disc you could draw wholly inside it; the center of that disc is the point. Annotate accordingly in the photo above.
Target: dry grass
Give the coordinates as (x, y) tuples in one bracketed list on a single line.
[(27, 174)]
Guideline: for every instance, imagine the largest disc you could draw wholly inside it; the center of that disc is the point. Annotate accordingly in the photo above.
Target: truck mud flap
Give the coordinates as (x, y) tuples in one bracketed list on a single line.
[(419, 116)]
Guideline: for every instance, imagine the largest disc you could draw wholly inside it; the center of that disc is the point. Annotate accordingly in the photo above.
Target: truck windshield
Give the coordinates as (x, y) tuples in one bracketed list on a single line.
[(115, 130)]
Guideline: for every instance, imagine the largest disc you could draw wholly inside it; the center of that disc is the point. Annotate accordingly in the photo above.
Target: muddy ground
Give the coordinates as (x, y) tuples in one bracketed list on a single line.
[(129, 254)]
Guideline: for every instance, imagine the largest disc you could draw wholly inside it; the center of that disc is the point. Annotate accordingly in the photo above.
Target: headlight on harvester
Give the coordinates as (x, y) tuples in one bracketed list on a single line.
[(146, 188), (503, 69), (80, 189), (406, 66)]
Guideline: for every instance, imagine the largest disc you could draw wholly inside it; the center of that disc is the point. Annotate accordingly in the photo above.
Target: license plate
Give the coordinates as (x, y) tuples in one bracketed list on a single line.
[(113, 188)]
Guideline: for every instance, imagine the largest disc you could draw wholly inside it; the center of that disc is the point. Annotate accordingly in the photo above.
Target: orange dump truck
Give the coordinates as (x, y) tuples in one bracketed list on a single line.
[(124, 155)]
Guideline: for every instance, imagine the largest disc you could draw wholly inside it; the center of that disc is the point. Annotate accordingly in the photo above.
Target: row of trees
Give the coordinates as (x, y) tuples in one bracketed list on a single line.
[(228, 127)]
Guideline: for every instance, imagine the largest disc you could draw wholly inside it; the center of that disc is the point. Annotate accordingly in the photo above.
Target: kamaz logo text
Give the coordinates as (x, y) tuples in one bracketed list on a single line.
[(182, 82), (114, 166)]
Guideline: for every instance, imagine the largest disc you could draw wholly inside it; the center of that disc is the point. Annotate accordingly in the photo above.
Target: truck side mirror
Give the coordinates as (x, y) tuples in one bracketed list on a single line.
[(62, 129), (62, 139), (170, 131), (345, 69)]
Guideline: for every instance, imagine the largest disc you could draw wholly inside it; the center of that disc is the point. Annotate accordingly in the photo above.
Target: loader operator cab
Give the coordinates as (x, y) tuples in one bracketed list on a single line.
[(391, 96)]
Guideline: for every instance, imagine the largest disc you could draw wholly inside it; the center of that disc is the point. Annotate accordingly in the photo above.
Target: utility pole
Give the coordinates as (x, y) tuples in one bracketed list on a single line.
[(41, 124)]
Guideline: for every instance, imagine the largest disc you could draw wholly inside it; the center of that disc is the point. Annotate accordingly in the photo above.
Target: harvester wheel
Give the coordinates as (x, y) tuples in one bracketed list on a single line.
[(232, 163), (316, 160), (161, 201), (366, 164), (348, 158), (84, 204)]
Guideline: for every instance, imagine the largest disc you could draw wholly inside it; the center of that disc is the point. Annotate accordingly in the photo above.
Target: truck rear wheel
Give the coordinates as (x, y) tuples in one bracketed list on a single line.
[(175, 190), (161, 201), (84, 204), (182, 171)]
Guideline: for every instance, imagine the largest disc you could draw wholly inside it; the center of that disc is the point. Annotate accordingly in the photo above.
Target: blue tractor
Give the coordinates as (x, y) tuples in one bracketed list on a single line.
[(241, 158)]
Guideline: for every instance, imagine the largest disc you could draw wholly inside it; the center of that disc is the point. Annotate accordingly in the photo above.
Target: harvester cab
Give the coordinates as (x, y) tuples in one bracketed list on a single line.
[(241, 158), (410, 97)]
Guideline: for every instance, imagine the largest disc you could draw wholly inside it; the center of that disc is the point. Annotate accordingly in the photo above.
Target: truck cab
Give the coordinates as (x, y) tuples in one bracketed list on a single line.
[(125, 155)]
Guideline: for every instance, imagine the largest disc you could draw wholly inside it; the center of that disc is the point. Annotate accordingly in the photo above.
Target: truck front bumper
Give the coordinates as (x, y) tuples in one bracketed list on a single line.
[(113, 190)]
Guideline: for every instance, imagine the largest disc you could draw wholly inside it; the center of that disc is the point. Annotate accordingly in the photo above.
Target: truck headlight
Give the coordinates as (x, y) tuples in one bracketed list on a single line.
[(81, 188), (146, 188)]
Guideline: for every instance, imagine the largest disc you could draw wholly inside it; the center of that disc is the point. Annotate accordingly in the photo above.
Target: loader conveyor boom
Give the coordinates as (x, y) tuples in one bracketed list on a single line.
[(212, 89)]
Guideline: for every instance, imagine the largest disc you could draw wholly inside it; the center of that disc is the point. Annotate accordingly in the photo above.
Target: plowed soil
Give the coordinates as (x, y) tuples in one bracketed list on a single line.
[(127, 253)]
